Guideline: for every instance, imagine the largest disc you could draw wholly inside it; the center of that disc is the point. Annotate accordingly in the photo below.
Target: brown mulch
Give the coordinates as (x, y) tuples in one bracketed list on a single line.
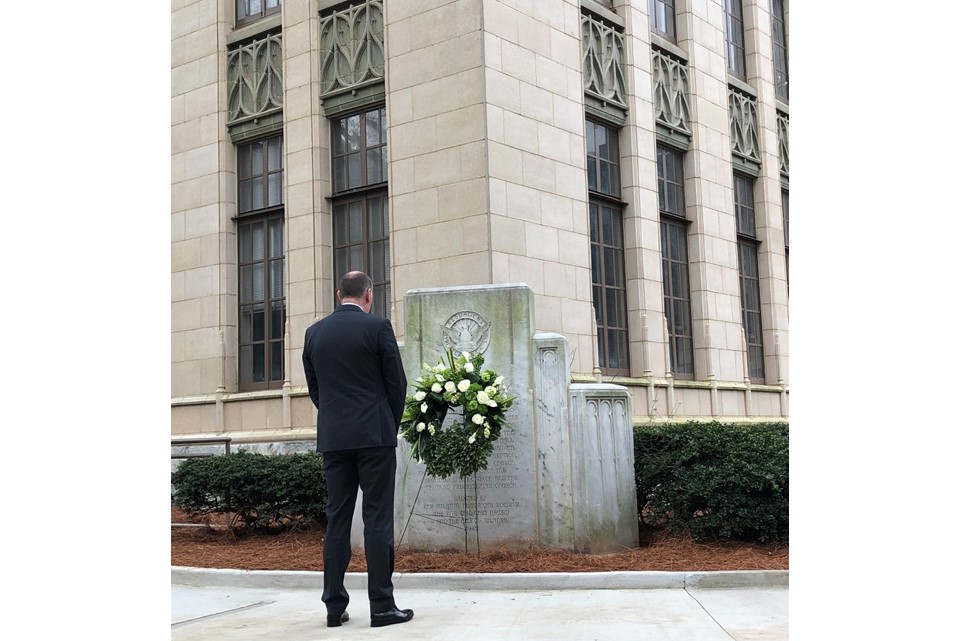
[(214, 546)]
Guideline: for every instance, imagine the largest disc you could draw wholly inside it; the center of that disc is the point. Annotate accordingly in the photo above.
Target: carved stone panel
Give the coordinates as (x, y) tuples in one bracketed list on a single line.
[(255, 80), (671, 103), (602, 48), (744, 135), (351, 48)]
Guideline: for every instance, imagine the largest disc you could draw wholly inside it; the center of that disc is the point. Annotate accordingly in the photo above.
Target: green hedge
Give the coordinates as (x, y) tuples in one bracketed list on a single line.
[(715, 480), (262, 490)]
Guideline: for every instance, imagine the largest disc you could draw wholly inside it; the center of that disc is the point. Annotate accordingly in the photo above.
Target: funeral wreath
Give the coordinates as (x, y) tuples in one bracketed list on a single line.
[(458, 386)]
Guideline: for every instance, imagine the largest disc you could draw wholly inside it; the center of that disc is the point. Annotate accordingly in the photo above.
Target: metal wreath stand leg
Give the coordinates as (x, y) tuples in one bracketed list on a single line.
[(476, 513)]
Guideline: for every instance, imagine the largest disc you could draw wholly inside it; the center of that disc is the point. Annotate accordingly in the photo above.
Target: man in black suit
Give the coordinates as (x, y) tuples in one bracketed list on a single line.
[(356, 381)]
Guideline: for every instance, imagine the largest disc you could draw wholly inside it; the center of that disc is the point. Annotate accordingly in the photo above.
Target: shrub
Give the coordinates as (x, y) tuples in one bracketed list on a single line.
[(261, 490), (716, 480)]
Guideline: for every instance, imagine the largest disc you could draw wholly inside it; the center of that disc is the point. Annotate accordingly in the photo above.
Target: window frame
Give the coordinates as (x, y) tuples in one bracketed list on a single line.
[(785, 207), (732, 22), (607, 251), (264, 213), (674, 293), (748, 256), (368, 190), (781, 74), (272, 341), (266, 173), (250, 18), (664, 11)]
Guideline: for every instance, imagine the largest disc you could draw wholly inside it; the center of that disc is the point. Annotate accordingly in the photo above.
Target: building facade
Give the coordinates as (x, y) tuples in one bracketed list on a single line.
[(627, 160)]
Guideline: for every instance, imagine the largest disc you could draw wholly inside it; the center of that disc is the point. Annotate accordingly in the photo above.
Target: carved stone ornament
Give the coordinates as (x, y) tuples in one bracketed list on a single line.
[(466, 332)]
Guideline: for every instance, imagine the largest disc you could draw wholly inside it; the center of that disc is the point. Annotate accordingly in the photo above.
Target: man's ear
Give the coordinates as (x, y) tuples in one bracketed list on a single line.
[(339, 297)]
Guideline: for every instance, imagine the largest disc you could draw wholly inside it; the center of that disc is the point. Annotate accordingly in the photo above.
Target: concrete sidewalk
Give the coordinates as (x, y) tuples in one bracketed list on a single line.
[(239, 605)]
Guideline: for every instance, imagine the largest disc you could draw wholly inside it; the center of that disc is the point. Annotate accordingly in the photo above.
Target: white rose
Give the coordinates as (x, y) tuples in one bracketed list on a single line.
[(466, 355), (498, 381), (439, 378), (463, 385), (491, 403), (450, 387), (421, 427), (436, 388), (491, 390), (482, 397), (468, 368), (420, 395), (473, 437), (423, 407), (477, 419)]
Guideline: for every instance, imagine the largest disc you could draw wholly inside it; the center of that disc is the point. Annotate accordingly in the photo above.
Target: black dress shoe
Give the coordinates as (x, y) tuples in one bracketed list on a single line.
[(390, 617), (335, 621)]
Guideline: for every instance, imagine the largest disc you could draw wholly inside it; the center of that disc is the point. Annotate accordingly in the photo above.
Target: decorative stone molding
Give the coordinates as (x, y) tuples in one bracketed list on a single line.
[(602, 48), (351, 48), (783, 137), (670, 100), (255, 80), (744, 136)]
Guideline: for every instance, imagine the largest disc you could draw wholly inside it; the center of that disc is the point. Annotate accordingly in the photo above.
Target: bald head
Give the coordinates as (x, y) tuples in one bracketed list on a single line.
[(356, 287)]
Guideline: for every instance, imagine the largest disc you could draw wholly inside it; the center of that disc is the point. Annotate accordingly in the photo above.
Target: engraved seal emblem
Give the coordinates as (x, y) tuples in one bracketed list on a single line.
[(466, 332)]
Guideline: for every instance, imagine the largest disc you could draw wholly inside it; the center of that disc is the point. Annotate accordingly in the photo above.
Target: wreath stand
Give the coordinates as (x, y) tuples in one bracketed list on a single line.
[(463, 513)]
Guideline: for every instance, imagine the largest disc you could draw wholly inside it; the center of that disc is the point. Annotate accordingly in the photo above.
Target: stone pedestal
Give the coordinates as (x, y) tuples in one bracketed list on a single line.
[(501, 501)]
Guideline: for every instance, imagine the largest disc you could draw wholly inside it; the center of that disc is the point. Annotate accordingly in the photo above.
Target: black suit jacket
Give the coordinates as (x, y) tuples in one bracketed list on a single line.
[(356, 380)]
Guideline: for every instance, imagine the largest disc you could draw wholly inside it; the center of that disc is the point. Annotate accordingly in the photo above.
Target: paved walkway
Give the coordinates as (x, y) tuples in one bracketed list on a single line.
[(235, 605)]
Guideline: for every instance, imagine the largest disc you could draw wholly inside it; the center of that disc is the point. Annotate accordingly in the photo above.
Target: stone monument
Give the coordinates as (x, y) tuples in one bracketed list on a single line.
[(561, 477)]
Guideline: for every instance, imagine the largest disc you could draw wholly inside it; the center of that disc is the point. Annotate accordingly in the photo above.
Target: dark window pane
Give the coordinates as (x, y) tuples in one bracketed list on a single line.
[(353, 171), (275, 154), (259, 325), (276, 238), (375, 217), (256, 241), (340, 137), (256, 275), (256, 159), (373, 128), (274, 188), (276, 361), (356, 258), (246, 325), (377, 268), (256, 194), (339, 174), (373, 167), (356, 222), (258, 374), (277, 319), (246, 363), (246, 283), (276, 279), (353, 133)]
